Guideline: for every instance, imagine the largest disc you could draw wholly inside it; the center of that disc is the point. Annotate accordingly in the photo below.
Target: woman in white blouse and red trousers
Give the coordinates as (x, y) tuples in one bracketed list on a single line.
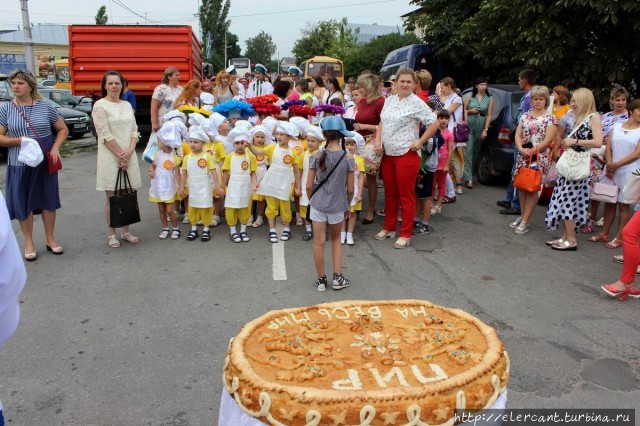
[(398, 132)]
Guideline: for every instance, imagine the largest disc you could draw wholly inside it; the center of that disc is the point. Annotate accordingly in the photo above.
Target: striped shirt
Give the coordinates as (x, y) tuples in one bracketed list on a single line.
[(42, 116)]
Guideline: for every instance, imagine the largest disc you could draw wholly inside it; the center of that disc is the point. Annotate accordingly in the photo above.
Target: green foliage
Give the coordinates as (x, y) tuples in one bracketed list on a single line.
[(101, 17), (587, 43), (325, 38), (260, 48), (371, 55), (214, 22)]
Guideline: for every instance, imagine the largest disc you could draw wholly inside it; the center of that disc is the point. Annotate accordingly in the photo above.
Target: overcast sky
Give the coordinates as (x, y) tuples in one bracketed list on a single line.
[(283, 19)]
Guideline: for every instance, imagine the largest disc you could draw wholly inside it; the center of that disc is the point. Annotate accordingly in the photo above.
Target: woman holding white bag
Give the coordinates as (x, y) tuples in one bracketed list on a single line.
[(622, 157), (570, 199)]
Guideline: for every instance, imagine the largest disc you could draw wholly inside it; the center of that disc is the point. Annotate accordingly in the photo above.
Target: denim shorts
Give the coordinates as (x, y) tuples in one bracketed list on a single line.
[(332, 218)]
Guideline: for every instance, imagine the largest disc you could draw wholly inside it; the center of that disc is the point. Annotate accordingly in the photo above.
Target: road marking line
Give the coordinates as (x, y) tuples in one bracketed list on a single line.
[(279, 264)]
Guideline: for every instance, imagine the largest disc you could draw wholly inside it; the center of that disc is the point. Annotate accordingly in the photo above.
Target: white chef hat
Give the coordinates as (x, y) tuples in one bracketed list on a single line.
[(216, 120), (258, 129), (359, 140), (269, 124), (244, 125), (316, 132), (170, 134), (207, 98), (175, 114), (287, 128), (184, 132), (196, 119), (30, 152), (198, 133), (301, 123), (238, 135)]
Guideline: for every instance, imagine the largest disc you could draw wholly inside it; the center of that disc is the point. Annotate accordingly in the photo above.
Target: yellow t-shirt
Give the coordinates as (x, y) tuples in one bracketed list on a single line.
[(216, 149), (253, 163), (268, 151), (211, 164), (186, 149)]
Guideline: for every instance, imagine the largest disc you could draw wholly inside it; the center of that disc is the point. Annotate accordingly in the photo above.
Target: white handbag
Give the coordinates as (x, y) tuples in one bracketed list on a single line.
[(572, 164), (605, 192), (151, 149), (631, 189)]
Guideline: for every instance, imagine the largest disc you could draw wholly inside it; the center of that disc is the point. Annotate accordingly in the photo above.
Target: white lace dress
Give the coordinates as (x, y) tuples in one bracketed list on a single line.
[(114, 121)]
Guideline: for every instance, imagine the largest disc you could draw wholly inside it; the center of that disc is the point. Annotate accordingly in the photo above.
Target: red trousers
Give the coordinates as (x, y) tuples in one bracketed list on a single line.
[(631, 249), (399, 175)]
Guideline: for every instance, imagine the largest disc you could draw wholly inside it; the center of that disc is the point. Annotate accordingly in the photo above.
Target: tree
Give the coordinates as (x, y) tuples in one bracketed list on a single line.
[(586, 43), (214, 24), (102, 18), (371, 55), (233, 48), (327, 38), (260, 48)]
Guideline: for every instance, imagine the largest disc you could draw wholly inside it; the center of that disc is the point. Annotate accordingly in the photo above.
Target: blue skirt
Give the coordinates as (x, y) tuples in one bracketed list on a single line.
[(31, 189)]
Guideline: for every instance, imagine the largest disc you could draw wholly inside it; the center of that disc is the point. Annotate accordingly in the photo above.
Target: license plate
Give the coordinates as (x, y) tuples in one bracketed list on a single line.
[(79, 126)]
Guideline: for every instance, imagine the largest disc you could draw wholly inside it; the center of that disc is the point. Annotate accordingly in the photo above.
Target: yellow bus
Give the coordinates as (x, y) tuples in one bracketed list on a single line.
[(61, 74), (324, 66)]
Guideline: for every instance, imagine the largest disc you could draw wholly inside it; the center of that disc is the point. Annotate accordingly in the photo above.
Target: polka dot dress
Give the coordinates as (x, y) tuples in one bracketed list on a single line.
[(570, 201)]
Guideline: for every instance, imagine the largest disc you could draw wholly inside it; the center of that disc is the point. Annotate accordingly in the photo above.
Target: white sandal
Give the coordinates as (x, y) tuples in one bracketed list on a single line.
[(113, 241), (164, 234), (257, 223), (127, 236), (216, 221)]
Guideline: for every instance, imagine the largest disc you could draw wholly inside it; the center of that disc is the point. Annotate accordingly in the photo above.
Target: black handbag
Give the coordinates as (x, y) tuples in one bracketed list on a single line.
[(123, 204), (316, 187)]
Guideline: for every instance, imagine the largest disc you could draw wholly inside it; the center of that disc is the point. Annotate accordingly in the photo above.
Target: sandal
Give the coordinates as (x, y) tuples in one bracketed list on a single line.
[(30, 257), (402, 243), (447, 200), (615, 243), (175, 234), (307, 236), (552, 242), (299, 221), (286, 235), (127, 236), (235, 237), (273, 237), (112, 241), (192, 235), (599, 238), (629, 291), (618, 258), (384, 234), (588, 228), (206, 236), (565, 245), (470, 184), (257, 223), (164, 234), (245, 237), (216, 221), (381, 212), (436, 210)]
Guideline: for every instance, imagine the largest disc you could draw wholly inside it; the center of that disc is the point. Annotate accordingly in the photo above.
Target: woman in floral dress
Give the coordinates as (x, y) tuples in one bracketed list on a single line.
[(536, 130)]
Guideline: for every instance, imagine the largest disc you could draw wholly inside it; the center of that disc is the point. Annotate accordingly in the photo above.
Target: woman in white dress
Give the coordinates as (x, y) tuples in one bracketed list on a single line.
[(117, 138)]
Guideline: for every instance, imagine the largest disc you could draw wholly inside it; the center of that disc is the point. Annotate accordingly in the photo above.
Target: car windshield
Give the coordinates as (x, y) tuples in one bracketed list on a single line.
[(322, 69)]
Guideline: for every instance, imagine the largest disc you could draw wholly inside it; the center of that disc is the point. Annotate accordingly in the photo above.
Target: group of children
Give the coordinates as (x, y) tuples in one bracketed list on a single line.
[(210, 164)]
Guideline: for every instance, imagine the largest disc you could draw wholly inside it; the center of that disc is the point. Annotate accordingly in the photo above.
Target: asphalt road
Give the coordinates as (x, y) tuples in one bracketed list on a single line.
[(138, 335)]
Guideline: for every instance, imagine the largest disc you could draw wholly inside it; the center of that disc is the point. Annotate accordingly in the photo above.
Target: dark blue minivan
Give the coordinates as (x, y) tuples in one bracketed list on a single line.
[(414, 56)]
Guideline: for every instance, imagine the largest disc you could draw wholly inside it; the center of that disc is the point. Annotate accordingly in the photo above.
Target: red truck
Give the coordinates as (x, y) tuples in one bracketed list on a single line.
[(140, 52)]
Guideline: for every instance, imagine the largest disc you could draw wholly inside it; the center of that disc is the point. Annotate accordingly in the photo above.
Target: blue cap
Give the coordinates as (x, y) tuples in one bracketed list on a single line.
[(335, 123)]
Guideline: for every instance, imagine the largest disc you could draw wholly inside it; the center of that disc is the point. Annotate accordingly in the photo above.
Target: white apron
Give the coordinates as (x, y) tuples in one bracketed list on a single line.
[(278, 179), (304, 198), (164, 185), (200, 193), (262, 162), (356, 187), (239, 188), (296, 147)]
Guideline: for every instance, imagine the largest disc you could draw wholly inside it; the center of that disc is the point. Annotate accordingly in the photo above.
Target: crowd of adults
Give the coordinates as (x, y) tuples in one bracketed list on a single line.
[(396, 122)]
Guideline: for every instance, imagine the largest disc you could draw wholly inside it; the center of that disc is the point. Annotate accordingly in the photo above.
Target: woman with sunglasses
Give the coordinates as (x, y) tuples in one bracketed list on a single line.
[(32, 190)]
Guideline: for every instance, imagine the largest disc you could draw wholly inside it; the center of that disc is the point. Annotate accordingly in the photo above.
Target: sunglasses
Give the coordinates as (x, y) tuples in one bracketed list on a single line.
[(19, 72)]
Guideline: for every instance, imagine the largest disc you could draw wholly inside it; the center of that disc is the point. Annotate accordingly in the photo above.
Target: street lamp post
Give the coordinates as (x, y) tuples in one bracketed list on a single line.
[(278, 56)]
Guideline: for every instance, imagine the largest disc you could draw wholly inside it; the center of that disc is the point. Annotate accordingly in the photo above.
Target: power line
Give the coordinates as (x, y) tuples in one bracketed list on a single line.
[(125, 7)]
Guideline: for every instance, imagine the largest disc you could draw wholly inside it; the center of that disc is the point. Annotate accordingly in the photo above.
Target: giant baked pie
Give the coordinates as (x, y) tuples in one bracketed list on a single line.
[(405, 362)]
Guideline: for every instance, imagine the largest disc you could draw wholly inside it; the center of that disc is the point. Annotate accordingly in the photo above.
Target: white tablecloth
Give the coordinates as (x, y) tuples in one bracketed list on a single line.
[(232, 415)]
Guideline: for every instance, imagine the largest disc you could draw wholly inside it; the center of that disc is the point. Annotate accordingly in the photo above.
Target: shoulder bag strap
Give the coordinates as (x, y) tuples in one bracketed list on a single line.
[(329, 175), (15, 105)]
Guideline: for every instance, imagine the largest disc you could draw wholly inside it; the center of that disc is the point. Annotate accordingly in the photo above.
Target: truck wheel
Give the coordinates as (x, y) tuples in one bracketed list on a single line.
[(485, 167)]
